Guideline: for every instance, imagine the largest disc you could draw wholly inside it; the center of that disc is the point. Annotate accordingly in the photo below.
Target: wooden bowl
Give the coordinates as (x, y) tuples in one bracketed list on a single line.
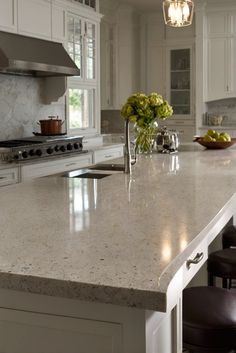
[(215, 145)]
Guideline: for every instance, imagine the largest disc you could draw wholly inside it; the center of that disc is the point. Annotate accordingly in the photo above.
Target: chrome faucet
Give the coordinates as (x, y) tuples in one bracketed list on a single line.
[(127, 153)]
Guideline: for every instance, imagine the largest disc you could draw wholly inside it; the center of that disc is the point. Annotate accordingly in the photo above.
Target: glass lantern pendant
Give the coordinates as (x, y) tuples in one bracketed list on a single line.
[(178, 13)]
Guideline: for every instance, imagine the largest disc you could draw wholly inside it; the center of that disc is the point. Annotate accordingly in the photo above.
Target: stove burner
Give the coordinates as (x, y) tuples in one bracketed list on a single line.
[(32, 148)]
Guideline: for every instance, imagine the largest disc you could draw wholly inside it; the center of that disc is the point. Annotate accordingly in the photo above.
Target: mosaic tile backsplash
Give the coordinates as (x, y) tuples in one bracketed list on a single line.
[(21, 106)]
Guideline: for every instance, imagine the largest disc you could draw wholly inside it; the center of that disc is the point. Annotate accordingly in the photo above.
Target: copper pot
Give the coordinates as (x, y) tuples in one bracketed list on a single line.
[(51, 126)]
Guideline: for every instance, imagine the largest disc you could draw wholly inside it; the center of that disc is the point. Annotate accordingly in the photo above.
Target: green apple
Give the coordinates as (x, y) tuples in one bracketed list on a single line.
[(208, 138), (211, 133), (226, 136)]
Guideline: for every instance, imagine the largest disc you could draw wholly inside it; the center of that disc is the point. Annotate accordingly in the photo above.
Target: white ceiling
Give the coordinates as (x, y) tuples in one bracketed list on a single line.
[(145, 5)]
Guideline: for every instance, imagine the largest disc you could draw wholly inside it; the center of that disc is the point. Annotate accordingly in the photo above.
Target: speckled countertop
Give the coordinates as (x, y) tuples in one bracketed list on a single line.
[(115, 240)]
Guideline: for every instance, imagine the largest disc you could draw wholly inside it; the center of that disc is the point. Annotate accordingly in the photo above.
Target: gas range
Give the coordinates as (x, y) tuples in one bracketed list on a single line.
[(40, 147)]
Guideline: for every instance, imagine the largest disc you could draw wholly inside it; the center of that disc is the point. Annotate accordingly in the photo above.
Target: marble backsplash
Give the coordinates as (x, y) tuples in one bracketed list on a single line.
[(224, 107), (21, 106), (111, 122)]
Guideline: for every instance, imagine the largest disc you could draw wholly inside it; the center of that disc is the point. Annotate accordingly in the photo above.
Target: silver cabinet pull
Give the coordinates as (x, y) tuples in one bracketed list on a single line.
[(1, 177), (108, 156), (194, 261), (70, 164)]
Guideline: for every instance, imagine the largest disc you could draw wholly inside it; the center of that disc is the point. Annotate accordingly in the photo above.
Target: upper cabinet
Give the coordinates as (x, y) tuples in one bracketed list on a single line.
[(81, 45), (58, 23), (8, 15), (46, 19), (179, 81), (221, 55), (34, 18)]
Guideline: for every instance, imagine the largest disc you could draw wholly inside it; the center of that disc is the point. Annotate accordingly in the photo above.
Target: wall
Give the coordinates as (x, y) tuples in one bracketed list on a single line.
[(21, 106)]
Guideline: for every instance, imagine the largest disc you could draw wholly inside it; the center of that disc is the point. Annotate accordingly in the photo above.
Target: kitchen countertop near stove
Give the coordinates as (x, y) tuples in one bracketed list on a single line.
[(116, 240)]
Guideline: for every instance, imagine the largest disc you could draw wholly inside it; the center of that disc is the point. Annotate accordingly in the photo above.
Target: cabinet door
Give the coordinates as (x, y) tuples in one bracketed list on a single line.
[(90, 50), (180, 82), (30, 332), (106, 154), (9, 176), (58, 23), (75, 43), (107, 65), (217, 68), (8, 15), (42, 169), (217, 24), (34, 18), (231, 86)]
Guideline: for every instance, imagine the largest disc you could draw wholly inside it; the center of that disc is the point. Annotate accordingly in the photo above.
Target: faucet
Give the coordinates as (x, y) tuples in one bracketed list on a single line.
[(127, 154)]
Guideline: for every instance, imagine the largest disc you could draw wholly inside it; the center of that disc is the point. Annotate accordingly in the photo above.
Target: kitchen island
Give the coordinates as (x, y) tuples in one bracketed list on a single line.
[(92, 265)]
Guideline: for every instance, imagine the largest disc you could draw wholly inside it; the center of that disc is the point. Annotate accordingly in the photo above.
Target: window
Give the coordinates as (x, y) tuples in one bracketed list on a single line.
[(81, 108)]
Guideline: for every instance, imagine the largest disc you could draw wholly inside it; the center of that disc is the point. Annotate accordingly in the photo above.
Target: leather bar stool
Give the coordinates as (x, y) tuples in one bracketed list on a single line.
[(209, 320), (229, 237), (222, 263)]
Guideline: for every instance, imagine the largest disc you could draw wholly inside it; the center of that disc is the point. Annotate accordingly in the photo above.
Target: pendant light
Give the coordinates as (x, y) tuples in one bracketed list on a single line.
[(178, 13)]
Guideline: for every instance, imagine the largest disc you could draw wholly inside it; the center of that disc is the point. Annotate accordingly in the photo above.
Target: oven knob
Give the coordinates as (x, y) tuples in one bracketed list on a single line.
[(31, 153), (81, 145), (50, 150), (38, 153), (57, 148), (76, 146), (69, 147), (25, 154), (62, 148), (16, 156)]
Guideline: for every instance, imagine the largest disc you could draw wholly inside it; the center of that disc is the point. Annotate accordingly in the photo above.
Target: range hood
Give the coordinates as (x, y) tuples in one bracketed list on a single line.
[(37, 57)]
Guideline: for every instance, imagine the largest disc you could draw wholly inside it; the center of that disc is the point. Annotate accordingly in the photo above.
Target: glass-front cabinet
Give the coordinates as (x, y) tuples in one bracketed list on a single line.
[(81, 45), (180, 82), (83, 90)]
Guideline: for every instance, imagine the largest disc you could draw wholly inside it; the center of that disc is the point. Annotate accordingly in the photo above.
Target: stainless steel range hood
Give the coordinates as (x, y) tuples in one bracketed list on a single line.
[(37, 57)]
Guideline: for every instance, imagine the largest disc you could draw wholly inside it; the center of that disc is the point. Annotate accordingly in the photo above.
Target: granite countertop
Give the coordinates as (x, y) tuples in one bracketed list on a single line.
[(115, 240)]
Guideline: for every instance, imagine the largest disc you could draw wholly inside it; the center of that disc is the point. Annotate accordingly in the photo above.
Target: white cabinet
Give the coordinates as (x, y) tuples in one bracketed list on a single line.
[(9, 176), (82, 45), (179, 81), (107, 65), (58, 23), (221, 55), (107, 153), (41, 169), (34, 18), (8, 15), (44, 333)]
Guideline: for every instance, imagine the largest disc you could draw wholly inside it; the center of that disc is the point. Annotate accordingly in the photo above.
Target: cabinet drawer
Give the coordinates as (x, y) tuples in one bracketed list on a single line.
[(40, 333), (195, 262), (32, 171), (106, 154), (9, 176)]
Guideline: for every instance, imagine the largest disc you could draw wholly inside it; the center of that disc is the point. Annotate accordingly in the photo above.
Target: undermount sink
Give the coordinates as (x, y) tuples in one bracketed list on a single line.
[(109, 167), (95, 172)]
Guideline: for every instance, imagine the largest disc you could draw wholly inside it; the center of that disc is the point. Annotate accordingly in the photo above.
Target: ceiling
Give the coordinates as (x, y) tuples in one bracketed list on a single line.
[(145, 5)]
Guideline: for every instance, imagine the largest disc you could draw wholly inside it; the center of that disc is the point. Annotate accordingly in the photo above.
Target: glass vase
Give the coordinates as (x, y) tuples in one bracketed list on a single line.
[(145, 137)]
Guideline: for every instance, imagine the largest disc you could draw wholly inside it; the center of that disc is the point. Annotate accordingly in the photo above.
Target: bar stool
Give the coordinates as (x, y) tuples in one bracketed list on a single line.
[(229, 237), (222, 263), (209, 320)]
